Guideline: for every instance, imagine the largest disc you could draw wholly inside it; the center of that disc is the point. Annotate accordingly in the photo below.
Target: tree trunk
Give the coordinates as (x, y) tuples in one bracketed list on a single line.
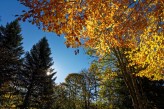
[(25, 104), (138, 99), (26, 100)]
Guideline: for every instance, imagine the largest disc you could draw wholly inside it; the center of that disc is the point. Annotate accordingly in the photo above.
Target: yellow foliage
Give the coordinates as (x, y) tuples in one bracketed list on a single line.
[(150, 56), (103, 25)]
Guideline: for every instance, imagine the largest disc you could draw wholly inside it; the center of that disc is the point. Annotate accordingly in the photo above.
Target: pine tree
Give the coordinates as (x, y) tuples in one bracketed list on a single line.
[(11, 51), (38, 77)]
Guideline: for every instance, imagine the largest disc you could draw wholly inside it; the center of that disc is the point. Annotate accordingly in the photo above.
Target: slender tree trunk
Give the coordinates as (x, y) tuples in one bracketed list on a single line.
[(86, 104), (138, 100), (26, 99)]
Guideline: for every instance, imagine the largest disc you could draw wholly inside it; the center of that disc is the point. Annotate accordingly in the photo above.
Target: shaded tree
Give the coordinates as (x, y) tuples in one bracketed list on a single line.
[(11, 51), (61, 96), (74, 82), (38, 77)]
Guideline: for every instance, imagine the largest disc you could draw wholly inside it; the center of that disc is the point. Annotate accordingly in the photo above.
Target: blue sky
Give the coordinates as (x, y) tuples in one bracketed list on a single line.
[(65, 61)]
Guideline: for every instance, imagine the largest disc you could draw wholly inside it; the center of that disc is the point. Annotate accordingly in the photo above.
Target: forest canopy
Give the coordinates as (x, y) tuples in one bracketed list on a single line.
[(133, 25)]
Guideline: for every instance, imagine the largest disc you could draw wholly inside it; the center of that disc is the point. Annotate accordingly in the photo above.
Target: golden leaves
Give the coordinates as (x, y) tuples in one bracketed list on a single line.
[(102, 25), (149, 55)]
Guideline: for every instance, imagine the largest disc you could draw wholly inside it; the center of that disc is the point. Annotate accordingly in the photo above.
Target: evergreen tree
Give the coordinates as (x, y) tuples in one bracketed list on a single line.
[(38, 77), (11, 51)]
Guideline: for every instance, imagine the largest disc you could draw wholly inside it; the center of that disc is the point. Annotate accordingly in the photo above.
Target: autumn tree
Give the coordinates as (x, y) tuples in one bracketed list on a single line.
[(38, 77), (11, 51), (132, 29), (112, 79)]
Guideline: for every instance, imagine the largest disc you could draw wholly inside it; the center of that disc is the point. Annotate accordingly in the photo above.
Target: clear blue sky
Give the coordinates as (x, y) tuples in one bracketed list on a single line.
[(65, 61)]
